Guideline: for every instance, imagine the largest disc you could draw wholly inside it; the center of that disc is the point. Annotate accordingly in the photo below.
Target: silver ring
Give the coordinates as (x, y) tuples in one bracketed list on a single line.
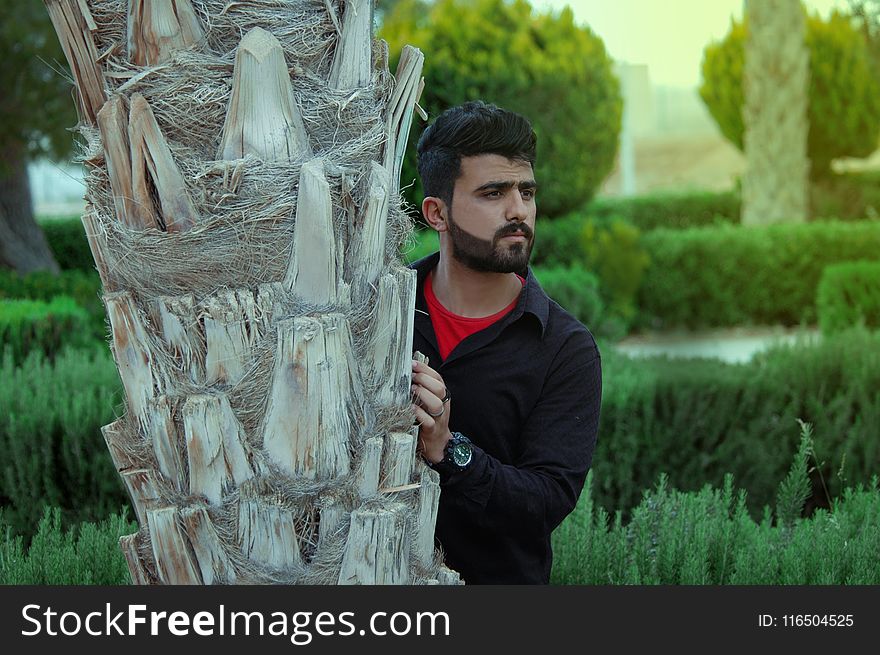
[(442, 409), (447, 397)]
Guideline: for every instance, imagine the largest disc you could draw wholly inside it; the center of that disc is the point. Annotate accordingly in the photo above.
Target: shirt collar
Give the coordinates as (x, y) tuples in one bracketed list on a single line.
[(533, 299)]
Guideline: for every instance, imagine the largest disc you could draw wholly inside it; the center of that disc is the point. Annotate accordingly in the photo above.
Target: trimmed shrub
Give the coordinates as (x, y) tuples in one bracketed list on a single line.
[(733, 275), (614, 251), (609, 248), (27, 325), (558, 242), (543, 66), (67, 239), (577, 291), (848, 295), (844, 97), (88, 554), (700, 419), (84, 288), (670, 210), (53, 450)]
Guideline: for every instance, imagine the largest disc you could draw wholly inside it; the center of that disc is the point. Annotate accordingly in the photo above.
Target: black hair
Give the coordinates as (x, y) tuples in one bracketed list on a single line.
[(474, 128)]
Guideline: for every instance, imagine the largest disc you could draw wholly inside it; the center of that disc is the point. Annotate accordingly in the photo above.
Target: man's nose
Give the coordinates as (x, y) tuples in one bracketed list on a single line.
[(516, 207)]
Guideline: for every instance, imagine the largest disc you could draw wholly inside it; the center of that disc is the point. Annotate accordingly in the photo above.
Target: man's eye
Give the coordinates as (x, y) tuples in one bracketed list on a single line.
[(528, 194), (493, 194)]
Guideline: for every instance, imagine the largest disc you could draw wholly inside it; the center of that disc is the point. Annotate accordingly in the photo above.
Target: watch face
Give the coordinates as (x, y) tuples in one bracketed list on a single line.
[(461, 454)]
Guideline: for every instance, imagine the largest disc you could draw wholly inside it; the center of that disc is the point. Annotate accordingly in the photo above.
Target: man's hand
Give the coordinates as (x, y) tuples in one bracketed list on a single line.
[(432, 413)]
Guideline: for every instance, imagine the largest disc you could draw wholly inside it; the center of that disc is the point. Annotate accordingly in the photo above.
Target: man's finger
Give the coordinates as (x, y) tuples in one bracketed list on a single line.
[(435, 386), (427, 400), (423, 419), (418, 367)]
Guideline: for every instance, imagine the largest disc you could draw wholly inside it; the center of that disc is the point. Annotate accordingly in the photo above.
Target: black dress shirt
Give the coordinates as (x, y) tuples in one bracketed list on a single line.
[(526, 391)]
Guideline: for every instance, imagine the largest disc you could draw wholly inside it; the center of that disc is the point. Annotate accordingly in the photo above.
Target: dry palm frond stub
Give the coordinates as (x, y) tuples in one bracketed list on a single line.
[(243, 164)]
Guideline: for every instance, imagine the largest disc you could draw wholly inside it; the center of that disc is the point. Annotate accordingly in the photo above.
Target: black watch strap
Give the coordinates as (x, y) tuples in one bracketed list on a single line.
[(458, 455)]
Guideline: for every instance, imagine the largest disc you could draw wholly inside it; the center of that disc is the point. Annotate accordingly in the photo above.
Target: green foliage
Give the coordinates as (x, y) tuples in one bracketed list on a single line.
[(423, 243), (846, 196), (558, 242), (609, 248), (577, 291), (671, 210), (867, 15), (700, 419), (844, 95), (84, 288), (68, 242), (85, 555), (53, 451), (849, 294), (731, 275), (614, 251), (708, 537), (543, 66), (27, 325), (36, 107), (795, 489)]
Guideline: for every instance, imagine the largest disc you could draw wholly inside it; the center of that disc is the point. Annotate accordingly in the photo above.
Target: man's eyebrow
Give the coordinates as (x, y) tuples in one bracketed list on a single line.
[(503, 185)]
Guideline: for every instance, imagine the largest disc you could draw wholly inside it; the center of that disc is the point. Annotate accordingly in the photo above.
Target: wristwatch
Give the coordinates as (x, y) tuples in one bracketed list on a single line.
[(458, 454)]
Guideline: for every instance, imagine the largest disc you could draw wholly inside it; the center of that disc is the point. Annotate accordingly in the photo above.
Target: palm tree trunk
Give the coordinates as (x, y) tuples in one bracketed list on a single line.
[(245, 219)]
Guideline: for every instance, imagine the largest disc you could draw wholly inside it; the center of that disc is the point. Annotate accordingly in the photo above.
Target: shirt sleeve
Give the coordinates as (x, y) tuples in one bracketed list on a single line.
[(542, 486)]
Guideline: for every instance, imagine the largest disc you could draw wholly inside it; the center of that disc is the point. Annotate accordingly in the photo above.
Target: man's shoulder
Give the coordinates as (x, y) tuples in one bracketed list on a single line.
[(563, 328)]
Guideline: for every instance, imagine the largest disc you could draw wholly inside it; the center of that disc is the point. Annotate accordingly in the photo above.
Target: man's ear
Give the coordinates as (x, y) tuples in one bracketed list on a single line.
[(434, 211)]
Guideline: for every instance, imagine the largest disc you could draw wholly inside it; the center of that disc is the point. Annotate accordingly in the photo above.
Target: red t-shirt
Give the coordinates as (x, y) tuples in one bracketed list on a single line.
[(451, 329)]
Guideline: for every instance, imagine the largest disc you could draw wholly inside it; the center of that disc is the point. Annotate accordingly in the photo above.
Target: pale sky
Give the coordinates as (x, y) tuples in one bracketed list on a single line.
[(667, 35)]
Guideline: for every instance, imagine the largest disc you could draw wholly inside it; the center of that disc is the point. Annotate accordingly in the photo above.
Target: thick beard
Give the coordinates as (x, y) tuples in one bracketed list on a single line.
[(490, 256)]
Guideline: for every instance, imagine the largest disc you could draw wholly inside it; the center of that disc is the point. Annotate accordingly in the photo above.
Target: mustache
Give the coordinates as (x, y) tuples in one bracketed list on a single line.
[(513, 228)]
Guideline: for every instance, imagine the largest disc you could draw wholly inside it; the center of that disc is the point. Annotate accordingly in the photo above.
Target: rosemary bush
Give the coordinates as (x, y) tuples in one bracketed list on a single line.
[(53, 450), (708, 537), (87, 554), (697, 420)]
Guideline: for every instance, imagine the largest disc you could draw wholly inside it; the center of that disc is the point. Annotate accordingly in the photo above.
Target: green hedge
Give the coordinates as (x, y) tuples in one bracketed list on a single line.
[(27, 325), (67, 239), (577, 291), (85, 555), (849, 294), (699, 419), (670, 210), (731, 275), (708, 537), (53, 451), (83, 287)]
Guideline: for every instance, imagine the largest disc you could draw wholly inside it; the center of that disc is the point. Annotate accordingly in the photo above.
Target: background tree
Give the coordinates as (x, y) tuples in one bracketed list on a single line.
[(35, 112), (844, 96), (774, 185), (544, 66), (867, 15)]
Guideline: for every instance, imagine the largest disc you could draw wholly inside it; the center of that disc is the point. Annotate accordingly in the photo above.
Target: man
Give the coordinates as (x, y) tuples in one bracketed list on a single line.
[(508, 405)]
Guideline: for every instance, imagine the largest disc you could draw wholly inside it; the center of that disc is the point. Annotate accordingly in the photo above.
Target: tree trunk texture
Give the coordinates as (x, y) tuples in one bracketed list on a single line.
[(244, 216), (776, 80), (23, 245)]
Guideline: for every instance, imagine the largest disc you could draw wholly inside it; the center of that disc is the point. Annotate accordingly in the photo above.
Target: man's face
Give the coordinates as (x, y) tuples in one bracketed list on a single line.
[(492, 216)]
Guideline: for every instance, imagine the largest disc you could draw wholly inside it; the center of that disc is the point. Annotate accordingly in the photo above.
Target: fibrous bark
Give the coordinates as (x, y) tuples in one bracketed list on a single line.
[(244, 218)]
